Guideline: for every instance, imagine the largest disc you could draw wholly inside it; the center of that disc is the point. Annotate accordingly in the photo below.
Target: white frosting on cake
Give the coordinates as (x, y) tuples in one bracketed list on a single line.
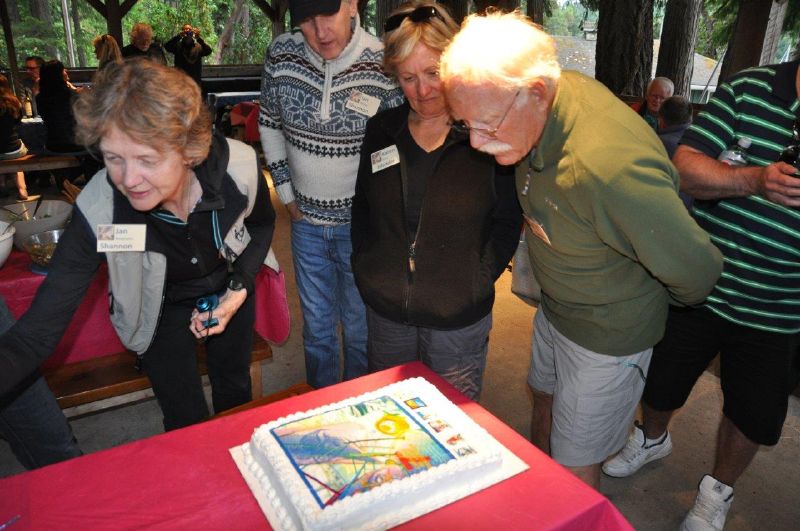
[(390, 503)]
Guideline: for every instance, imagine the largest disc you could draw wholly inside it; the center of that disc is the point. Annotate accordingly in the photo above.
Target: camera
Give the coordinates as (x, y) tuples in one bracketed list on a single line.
[(207, 304)]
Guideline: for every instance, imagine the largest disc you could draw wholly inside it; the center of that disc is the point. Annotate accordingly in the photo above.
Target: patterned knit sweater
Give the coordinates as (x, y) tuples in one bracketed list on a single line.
[(311, 139)]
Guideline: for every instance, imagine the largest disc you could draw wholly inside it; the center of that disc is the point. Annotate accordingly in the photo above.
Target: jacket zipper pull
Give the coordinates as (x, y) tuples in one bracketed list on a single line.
[(412, 257)]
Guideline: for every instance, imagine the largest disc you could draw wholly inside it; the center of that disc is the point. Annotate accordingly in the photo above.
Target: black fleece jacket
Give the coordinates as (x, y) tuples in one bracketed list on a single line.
[(468, 230)]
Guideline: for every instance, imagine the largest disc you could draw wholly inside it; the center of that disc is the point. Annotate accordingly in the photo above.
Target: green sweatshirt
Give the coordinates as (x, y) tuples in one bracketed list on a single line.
[(621, 243)]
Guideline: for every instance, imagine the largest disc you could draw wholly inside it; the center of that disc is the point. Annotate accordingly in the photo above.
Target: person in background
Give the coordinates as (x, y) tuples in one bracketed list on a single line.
[(439, 197), (189, 49), (106, 50), (311, 131), (30, 82), (31, 421), (658, 90), (207, 220), (674, 117), (55, 98), (610, 242), (11, 146), (143, 45), (752, 318)]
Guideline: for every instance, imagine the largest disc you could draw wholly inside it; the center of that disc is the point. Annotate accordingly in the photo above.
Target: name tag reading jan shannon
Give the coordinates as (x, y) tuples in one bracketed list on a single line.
[(120, 238), (384, 158), (363, 103)]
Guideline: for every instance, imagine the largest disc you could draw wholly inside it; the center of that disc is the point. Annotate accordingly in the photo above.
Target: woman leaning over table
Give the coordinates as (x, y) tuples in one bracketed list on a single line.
[(204, 210), (434, 221)]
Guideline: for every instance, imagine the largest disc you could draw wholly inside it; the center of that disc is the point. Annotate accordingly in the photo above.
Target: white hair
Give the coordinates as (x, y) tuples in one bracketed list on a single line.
[(505, 49)]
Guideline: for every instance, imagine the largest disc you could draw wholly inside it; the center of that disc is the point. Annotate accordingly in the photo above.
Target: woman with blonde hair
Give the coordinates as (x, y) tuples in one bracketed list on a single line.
[(206, 223), (426, 204), (106, 50), (11, 146)]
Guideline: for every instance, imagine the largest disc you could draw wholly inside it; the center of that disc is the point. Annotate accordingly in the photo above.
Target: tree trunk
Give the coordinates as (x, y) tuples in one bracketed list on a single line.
[(624, 52), (747, 40), (678, 37), (41, 10), (458, 8), (536, 11), (382, 10), (13, 11), (227, 32), (78, 31)]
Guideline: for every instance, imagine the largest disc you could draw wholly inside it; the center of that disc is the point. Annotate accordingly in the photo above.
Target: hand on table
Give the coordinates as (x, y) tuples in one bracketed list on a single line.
[(229, 304)]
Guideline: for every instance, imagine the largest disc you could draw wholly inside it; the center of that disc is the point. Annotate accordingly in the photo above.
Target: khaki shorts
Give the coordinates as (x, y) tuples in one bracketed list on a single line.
[(594, 395)]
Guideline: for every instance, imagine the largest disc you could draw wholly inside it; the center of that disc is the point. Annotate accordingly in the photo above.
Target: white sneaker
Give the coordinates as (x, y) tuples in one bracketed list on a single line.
[(638, 451), (710, 508)]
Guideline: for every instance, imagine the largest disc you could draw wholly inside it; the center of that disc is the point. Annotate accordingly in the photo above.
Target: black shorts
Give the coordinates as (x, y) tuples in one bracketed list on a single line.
[(758, 370)]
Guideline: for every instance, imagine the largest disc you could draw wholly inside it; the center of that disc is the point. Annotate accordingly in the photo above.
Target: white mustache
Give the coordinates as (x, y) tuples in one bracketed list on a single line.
[(495, 147)]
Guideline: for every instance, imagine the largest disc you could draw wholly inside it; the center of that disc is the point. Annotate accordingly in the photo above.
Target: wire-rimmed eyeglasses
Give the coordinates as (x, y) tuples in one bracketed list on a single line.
[(420, 14), (464, 128)]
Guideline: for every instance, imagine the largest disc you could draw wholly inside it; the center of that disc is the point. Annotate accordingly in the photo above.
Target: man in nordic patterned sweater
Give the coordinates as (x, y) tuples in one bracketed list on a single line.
[(319, 87)]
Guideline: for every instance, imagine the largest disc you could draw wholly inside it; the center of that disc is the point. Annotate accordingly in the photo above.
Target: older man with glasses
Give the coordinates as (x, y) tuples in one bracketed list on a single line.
[(610, 241), (752, 318)]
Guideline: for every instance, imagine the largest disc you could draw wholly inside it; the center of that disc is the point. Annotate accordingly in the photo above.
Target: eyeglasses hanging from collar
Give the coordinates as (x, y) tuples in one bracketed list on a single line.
[(791, 155), (420, 14)]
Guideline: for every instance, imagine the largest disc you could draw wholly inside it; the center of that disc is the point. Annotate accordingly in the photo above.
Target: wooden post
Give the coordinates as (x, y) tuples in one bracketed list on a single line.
[(12, 50)]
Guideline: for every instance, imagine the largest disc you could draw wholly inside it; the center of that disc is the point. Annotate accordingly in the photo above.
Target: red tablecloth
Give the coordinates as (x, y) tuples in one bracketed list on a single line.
[(90, 334), (186, 479)]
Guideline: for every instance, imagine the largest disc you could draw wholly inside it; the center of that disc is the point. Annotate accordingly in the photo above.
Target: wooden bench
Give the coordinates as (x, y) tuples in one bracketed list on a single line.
[(80, 383), (33, 162)]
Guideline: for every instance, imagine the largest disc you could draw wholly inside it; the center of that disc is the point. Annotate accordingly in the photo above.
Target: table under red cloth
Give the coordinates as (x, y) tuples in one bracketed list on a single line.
[(91, 335), (186, 479)]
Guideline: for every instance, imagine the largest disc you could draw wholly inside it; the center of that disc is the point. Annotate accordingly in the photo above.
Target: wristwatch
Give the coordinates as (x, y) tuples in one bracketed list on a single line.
[(235, 284)]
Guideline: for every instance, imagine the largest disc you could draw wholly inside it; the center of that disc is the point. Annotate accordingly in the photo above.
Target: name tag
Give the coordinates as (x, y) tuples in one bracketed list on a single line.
[(363, 103), (538, 230), (120, 238), (384, 158)]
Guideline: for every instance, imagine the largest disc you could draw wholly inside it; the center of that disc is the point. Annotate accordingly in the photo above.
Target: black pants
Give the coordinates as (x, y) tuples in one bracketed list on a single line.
[(171, 365)]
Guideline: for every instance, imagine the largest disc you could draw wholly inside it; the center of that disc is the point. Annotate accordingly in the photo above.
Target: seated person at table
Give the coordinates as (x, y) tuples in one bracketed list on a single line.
[(54, 102), (143, 45), (31, 421), (11, 147), (206, 219), (658, 90), (446, 200), (106, 50)]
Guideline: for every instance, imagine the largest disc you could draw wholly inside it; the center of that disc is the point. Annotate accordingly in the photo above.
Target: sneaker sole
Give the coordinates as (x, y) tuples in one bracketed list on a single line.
[(652, 458)]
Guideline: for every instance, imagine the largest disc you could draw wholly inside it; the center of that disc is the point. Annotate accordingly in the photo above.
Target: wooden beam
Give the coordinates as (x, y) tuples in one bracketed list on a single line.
[(127, 5), (266, 9), (114, 19), (99, 7)]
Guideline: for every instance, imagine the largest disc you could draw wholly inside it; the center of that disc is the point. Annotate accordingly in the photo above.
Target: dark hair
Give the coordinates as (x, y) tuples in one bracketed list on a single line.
[(9, 104), (676, 110), (39, 60), (51, 78)]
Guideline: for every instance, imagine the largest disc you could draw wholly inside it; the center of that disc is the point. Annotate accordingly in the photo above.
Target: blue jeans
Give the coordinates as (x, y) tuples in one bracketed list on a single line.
[(31, 421), (328, 297)]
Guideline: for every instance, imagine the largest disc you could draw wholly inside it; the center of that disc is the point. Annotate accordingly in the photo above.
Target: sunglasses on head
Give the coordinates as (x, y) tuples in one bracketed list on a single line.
[(420, 14)]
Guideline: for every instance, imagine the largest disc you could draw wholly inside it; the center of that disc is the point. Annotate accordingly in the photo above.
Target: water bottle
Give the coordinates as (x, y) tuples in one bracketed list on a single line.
[(206, 304), (736, 155)]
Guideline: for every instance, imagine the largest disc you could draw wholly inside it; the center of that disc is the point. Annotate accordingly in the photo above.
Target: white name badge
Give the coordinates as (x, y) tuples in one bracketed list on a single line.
[(363, 103), (120, 238), (384, 158)]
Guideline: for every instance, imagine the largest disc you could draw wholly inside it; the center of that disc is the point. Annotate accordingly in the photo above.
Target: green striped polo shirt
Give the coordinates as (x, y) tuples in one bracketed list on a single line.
[(760, 240)]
